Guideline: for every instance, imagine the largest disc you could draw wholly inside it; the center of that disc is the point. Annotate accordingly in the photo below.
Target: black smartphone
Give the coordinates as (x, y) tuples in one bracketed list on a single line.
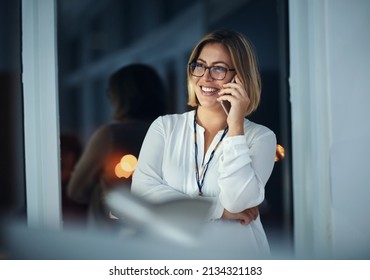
[(225, 104)]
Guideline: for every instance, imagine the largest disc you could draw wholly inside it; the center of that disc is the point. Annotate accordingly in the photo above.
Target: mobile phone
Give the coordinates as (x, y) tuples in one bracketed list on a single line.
[(225, 104)]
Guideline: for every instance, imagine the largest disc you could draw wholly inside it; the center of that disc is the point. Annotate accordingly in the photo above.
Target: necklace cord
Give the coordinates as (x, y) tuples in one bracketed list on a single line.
[(200, 177)]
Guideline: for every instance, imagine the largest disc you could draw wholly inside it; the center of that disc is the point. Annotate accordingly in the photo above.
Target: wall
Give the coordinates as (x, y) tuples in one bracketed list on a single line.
[(329, 71), (349, 73)]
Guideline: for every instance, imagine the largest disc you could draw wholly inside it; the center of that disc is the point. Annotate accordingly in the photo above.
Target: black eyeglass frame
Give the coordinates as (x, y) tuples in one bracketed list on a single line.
[(210, 70)]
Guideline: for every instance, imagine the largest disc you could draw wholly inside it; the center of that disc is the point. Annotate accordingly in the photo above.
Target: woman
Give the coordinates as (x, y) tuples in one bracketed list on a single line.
[(136, 92), (213, 151)]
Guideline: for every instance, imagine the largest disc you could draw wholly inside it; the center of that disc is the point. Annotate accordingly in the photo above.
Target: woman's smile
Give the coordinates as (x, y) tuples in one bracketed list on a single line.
[(209, 91)]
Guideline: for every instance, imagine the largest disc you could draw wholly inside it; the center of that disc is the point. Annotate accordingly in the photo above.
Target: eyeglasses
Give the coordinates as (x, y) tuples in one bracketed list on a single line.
[(216, 72)]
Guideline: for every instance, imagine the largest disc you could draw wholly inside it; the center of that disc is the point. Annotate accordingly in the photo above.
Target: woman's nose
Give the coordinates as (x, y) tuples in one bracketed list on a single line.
[(207, 75)]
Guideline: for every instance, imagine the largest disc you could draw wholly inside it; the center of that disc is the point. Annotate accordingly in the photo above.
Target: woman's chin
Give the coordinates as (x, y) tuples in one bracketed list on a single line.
[(211, 105)]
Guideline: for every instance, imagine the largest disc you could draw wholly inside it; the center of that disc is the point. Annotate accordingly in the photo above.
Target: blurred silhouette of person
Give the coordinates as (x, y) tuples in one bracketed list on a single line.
[(74, 214), (137, 94)]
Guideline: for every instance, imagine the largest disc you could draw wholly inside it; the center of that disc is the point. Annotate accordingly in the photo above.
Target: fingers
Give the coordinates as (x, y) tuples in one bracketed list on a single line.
[(249, 215), (233, 89), (234, 83), (244, 217), (253, 212)]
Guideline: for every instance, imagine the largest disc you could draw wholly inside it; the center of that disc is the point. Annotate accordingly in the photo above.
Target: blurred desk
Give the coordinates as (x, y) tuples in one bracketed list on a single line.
[(24, 243)]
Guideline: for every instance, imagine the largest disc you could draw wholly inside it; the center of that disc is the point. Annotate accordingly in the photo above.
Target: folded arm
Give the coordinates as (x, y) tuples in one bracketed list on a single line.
[(244, 171), (147, 180)]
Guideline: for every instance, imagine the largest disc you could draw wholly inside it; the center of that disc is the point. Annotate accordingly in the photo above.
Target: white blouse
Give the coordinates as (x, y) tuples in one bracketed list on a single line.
[(236, 176)]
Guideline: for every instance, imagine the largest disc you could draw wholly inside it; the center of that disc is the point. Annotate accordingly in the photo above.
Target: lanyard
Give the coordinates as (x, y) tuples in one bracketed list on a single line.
[(200, 177)]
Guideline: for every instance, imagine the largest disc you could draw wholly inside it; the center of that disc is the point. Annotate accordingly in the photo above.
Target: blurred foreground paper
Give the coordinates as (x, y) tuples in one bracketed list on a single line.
[(143, 231), (180, 220)]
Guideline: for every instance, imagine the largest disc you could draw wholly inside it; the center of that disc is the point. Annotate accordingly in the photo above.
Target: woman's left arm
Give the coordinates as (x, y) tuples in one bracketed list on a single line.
[(245, 169)]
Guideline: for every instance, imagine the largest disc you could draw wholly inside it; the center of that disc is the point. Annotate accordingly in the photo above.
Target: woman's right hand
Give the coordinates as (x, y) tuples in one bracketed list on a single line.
[(244, 217)]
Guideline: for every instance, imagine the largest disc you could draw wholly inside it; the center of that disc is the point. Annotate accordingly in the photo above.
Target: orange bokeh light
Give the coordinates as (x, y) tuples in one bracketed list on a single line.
[(121, 173), (126, 166), (128, 163), (280, 152)]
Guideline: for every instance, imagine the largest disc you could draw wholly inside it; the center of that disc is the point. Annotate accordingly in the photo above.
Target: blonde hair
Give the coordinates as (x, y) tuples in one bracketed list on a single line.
[(243, 59)]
